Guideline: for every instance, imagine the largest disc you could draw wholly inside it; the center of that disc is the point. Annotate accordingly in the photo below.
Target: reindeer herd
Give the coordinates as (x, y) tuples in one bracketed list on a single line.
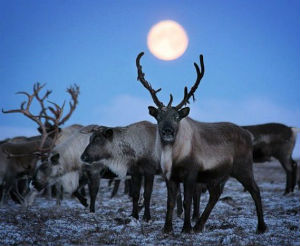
[(180, 149)]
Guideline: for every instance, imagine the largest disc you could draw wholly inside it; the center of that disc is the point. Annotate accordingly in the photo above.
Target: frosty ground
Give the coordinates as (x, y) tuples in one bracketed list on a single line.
[(232, 222)]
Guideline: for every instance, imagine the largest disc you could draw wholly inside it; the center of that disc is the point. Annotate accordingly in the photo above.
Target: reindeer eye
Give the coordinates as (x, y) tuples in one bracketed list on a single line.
[(176, 117)]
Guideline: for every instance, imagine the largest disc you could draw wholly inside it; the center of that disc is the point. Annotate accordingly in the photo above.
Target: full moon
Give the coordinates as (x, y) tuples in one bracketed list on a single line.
[(167, 40)]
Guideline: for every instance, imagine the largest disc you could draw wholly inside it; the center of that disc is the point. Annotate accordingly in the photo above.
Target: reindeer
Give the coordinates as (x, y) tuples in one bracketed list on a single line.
[(18, 159), (127, 150), (193, 151), (64, 165), (28, 152), (278, 141)]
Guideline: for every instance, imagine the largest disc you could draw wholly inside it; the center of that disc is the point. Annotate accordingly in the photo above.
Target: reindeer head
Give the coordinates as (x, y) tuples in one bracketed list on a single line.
[(47, 171), (108, 147), (99, 147), (168, 117)]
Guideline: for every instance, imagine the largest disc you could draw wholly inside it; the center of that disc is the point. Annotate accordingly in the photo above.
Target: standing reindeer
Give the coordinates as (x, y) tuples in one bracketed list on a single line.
[(278, 141), (65, 167), (193, 151), (129, 150)]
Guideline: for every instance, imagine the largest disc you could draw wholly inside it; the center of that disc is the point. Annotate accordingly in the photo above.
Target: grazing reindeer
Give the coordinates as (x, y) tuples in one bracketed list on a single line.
[(278, 141), (193, 151), (129, 150)]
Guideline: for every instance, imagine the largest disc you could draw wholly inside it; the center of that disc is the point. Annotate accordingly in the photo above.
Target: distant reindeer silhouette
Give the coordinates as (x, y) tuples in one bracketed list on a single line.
[(278, 141)]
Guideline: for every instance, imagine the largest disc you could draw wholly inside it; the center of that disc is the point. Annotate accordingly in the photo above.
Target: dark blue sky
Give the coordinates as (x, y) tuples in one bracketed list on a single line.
[(251, 51)]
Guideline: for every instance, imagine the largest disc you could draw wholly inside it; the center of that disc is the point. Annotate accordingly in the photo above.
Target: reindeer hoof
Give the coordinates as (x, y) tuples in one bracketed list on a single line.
[(136, 216), (186, 229), (287, 191), (168, 229), (146, 218), (85, 204), (198, 228), (261, 228)]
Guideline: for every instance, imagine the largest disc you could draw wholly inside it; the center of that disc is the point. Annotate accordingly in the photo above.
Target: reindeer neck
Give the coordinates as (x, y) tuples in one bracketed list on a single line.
[(183, 144)]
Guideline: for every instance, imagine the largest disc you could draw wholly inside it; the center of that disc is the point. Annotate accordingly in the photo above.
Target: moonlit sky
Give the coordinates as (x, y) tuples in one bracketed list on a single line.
[(251, 52)]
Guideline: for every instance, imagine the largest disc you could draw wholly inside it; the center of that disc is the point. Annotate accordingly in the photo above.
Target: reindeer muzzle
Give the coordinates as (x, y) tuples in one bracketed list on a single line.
[(167, 135)]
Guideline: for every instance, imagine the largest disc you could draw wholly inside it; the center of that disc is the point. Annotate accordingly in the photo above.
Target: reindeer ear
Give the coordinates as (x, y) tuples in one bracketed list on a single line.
[(153, 111), (108, 133), (54, 159), (184, 112)]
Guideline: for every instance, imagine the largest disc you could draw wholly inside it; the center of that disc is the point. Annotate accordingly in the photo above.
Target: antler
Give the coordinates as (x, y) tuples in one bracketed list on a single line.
[(187, 94), (37, 87), (58, 111), (145, 83), (74, 92)]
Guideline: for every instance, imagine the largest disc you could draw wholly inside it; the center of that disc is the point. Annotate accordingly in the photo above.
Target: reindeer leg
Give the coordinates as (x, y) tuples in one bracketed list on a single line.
[(294, 173), (172, 187), (59, 193), (110, 182), (148, 187), (127, 187), (93, 184), (80, 193), (136, 180), (215, 191), (250, 185), (116, 187), (179, 202), (188, 184), (81, 198), (5, 190), (196, 201), (1, 195), (15, 195), (287, 166)]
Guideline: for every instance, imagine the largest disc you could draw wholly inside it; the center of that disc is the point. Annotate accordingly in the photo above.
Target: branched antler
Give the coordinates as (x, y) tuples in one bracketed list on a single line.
[(56, 110), (36, 88), (188, 95), (25, 110), (74, 92), (145, 83)]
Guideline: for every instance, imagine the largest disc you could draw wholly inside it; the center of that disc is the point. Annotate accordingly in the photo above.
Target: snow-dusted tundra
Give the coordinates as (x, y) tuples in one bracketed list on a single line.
[(231, 222)]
